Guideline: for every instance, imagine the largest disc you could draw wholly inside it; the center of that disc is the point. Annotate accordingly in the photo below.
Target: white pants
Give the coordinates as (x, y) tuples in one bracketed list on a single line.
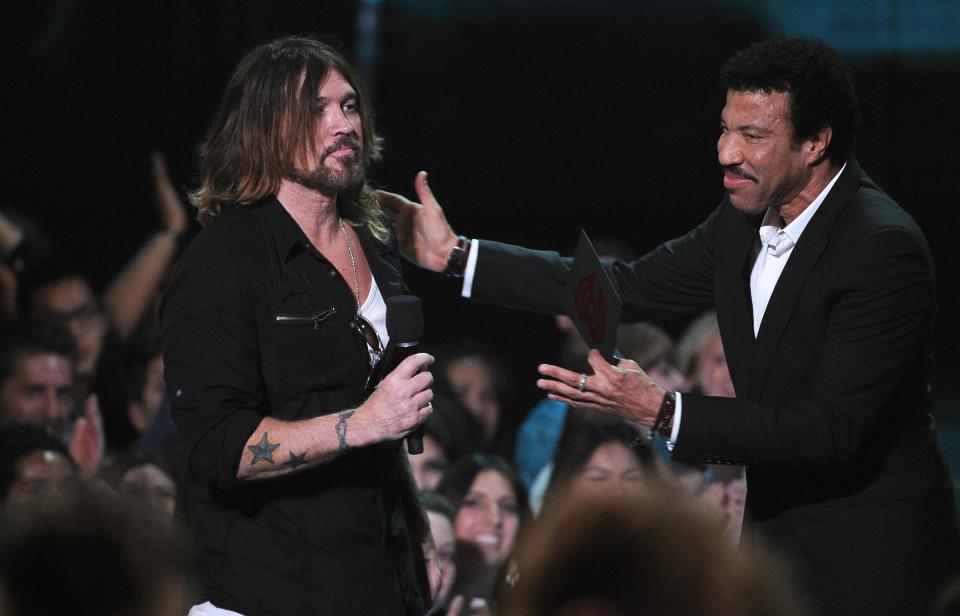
[(209, 609)]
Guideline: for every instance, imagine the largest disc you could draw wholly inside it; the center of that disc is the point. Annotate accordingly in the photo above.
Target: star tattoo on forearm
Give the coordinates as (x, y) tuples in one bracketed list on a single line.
[(297, 460), (263, 451), (341, 427)]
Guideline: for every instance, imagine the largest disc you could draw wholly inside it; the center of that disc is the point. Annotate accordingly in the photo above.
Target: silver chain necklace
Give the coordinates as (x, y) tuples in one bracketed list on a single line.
[(353, 263)]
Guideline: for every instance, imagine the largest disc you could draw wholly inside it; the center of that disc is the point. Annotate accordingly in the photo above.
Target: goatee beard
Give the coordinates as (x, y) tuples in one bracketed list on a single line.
[(332, 182), (329, 182)]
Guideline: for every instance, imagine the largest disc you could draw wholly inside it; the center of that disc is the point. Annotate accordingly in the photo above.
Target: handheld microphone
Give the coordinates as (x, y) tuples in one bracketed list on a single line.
[(405, 328)]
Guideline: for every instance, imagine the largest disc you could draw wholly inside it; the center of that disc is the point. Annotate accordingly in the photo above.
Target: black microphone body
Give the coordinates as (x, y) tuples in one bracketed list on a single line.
[(405, 328)]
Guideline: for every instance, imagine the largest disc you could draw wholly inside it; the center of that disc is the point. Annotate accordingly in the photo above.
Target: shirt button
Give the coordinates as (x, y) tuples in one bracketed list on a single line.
[(333, 273), (179, 392)]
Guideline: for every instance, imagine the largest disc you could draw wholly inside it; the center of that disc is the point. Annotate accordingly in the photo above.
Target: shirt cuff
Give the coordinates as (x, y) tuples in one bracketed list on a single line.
[(678, 411), (468, 271)]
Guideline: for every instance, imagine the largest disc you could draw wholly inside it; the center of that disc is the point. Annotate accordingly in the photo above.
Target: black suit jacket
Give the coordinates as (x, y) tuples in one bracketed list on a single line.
[(832, 415)]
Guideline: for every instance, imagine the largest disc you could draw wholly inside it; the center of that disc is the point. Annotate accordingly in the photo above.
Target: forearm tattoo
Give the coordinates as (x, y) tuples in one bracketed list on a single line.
[(297, 460), (341, 427), (263, 451)]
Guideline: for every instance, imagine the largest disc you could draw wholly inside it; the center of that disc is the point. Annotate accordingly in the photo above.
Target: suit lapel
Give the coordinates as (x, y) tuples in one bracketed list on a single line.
[(804, 257), (734, 311)]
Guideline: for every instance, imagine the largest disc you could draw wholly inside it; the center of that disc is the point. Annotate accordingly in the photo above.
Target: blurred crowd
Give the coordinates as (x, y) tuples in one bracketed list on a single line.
[(575, 512)]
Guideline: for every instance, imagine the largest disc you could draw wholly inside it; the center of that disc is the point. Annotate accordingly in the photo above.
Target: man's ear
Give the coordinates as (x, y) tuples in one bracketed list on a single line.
[(815, 147)]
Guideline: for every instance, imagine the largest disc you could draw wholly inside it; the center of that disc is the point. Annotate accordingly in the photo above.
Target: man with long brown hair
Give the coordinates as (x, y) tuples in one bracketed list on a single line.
[(296, 491)]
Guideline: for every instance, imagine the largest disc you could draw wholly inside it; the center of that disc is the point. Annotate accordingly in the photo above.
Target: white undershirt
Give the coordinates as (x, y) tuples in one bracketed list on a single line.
[(374, 310)]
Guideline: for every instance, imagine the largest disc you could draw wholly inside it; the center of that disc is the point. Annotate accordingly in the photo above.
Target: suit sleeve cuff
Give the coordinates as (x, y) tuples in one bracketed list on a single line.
[(468, 272), (675, 431)]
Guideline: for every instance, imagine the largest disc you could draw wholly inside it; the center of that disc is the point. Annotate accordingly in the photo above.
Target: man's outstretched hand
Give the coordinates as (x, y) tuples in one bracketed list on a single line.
[(423, 233), (624, 389)]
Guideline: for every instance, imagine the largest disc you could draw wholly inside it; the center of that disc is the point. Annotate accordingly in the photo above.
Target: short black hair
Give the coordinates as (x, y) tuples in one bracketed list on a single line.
[(817, 80), (41, 335), (51, 273), (451, 424), (19, 440), (578, 445), (431, 501)]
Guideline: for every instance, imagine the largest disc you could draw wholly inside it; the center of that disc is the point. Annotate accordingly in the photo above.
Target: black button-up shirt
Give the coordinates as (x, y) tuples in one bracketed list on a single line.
[(257, 323)]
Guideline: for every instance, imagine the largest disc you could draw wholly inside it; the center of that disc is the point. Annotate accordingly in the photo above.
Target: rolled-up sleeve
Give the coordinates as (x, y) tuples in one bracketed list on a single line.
[(211, 359)]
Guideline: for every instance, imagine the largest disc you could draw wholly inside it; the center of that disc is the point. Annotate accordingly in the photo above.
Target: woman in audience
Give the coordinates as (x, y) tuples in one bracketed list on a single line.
[(491, 511), (700, 357), (440, 515), (449, 433), (604, 456), (477, 380)]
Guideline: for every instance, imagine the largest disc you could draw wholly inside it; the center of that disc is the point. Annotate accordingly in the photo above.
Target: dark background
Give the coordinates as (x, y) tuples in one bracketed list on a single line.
[(534, 119)]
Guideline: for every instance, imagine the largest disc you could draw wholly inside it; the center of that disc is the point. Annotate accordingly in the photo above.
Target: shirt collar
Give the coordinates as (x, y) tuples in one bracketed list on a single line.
[(780, 238), (288, 238)]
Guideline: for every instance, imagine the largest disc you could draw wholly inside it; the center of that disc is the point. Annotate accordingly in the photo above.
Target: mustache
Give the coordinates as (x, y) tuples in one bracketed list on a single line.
[(738, 170), (347, 141)]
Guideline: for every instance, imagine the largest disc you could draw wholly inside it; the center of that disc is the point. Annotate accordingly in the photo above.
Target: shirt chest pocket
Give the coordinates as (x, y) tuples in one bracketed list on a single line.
[(315, 350)]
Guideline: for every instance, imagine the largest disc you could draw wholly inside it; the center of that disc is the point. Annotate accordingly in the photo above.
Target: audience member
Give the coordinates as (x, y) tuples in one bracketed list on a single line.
[(65, 294), (652, 349), (103, 326), (428, 466), (604, 456), (648, 554), (25, 251), (701, 359), (36, 376), (134, 293), (478, 381), (145, 386), (86, 552), (491, 511), (449, 433), (31, 462), (36, 382), (144, 479), (440, 514)]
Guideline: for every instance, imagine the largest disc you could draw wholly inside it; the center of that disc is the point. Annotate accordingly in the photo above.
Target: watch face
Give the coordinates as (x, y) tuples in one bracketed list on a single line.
[(457, 261)]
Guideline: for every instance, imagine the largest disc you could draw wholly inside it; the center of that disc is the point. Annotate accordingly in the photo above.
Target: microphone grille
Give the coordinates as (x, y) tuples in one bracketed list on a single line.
[(404, 318)]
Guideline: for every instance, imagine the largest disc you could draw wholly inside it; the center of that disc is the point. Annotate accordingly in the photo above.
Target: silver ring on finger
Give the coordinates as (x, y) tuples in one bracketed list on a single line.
[(582, 385)]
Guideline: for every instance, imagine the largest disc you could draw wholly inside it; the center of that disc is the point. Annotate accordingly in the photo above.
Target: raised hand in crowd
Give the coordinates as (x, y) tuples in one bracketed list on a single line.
[(173, 214), (136, 287), (87, 442)]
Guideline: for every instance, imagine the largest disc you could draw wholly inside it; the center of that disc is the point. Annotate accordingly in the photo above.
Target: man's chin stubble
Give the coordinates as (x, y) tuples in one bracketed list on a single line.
[(332, 183)]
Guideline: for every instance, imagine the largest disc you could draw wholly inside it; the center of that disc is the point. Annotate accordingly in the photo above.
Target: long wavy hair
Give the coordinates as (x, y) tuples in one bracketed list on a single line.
[(266, 122)]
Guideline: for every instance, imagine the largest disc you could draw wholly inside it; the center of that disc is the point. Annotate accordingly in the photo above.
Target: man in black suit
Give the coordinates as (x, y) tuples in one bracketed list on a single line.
[(824, 292)]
